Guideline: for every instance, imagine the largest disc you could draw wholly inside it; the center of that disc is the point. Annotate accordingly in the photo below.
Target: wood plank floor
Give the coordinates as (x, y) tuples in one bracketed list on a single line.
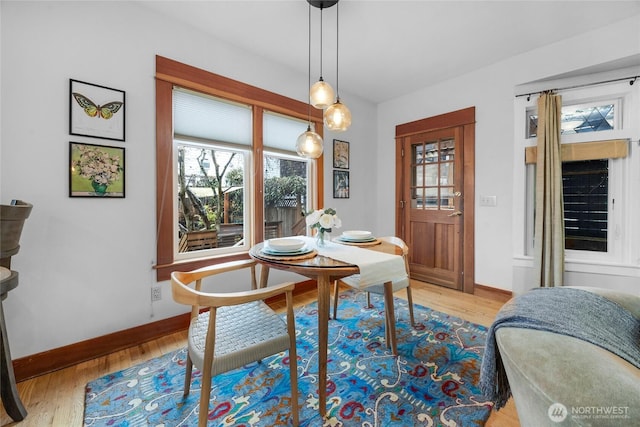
[(57, 399)]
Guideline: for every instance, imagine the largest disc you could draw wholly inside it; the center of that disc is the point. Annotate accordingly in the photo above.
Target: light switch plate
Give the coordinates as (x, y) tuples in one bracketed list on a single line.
[(488, 201)]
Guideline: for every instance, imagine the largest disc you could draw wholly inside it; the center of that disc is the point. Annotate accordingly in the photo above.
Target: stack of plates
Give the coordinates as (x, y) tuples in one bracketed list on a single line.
[(286, 247), (356, 236)]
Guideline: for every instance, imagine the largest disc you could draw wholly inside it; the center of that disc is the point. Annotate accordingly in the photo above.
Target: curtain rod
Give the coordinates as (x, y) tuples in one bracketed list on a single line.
[(631, 79)]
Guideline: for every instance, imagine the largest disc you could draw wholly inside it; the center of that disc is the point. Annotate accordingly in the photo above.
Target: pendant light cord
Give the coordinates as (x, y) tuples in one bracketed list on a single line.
[(309, 72), (321, 42), (337, 47)]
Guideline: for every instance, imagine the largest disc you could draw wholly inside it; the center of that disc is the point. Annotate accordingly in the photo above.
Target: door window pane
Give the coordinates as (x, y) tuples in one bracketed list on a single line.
[(447, 150), (446, 174), (431, 198), (431, 174), (446, 198)]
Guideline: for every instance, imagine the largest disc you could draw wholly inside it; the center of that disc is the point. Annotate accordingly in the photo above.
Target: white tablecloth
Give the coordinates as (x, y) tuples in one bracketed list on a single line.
[(375, 267)]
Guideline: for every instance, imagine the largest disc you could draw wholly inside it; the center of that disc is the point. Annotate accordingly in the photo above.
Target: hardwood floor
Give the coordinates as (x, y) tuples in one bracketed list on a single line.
[(57, 399)]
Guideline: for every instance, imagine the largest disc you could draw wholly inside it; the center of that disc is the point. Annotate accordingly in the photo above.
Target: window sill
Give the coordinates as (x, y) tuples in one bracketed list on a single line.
[(587, 266), (163, 272)]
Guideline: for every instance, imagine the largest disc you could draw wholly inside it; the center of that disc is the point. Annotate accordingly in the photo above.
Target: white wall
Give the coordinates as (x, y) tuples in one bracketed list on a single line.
[(86, 265), (491, 90)]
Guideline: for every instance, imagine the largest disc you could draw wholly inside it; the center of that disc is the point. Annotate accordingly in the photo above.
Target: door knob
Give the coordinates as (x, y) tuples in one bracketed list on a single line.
[(456, 213), (457, 194)]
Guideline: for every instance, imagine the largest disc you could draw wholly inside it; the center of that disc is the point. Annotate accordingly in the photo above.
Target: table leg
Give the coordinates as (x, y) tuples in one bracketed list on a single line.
[(264, 276), (8, 390), (323, 337), (390, 317)]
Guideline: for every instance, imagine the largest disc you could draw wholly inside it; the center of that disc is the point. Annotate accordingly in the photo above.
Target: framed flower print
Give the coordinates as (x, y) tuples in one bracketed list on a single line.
[(96, 171)]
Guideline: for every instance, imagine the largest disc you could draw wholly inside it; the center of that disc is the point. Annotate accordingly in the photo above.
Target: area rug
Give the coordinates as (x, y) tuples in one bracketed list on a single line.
[(433, 382)]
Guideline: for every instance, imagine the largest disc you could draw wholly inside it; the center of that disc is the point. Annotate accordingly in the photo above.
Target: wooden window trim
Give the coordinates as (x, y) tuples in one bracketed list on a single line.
[(610, 149), (170, 73)]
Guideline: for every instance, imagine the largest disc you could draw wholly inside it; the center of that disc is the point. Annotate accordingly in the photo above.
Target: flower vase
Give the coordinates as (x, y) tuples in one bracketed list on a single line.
[(322, 237), (99, 188)]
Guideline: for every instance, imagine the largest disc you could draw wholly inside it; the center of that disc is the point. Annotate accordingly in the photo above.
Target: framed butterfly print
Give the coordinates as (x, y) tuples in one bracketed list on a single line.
[(96, 111)]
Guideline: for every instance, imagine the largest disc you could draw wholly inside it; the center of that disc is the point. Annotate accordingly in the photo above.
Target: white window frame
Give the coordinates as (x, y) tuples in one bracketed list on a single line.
[(248, 207), (624, 181)]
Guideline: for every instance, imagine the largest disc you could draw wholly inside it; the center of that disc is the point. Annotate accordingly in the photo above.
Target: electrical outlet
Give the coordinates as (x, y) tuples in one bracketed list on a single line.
[(156, 293)]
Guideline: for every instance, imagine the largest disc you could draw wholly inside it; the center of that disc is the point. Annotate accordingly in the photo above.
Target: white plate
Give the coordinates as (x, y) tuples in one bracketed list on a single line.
[(304, 250), (285, 244), (350, 240), (357, 234)]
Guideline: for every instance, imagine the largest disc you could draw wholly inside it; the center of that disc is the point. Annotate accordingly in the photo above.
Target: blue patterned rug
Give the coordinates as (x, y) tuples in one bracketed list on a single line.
[(433, 382)]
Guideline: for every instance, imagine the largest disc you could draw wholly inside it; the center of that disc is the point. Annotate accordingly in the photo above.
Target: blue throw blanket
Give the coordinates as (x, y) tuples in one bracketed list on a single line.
[(568, 311)]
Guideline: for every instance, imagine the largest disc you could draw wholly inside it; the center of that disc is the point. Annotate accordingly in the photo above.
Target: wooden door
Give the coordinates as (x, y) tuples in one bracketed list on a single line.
[(433, 174)]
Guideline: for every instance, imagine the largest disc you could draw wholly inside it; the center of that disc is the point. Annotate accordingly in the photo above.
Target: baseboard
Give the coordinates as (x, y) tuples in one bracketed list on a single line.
[(69, 355), (492, 293)]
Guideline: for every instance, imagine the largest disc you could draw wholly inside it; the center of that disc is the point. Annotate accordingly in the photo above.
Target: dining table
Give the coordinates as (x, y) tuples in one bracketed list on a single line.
[(374, 261)]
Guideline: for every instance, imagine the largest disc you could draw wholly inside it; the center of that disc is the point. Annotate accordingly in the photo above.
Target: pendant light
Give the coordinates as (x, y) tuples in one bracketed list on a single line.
[(337, 117), (321, 93), (309, 143)]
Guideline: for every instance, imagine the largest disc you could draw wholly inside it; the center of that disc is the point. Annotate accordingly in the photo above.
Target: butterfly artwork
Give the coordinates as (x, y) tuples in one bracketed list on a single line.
[(96, 111), (105, 111)]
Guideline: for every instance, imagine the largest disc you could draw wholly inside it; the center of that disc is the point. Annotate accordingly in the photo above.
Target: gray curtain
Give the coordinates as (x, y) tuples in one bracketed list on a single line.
[(549, 208)]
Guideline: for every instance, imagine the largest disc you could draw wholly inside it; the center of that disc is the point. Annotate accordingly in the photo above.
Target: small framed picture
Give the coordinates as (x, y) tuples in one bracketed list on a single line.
[(96, 111), (340, 154), (340, 184), (96, 170)]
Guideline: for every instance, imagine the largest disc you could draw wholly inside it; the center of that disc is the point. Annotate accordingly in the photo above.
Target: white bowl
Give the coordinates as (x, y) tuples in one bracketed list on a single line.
[(357, 234), (285, 244)]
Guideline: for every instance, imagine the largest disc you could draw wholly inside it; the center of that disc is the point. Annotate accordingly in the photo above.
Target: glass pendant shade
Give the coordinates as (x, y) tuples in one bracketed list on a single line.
[(321, 94), (309, 144), (337, 117)]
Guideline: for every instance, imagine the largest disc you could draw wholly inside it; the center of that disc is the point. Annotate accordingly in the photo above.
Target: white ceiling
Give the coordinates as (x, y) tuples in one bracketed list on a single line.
[(391, 48)]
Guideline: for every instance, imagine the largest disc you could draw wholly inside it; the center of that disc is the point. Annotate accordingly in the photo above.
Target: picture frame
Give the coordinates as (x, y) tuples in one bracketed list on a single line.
[(96, 171), (96, 111), (340, 154), (340, 184)]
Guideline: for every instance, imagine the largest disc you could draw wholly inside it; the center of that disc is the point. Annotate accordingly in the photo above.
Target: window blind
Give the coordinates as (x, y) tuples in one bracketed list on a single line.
[(282, 132), (205, 117)]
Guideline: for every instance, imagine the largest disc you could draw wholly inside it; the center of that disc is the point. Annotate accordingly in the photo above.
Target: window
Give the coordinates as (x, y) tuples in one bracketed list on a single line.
[(432, 175), (596, 169), (218, 142), (585, 187), (580, 118), (212, 140), (286, 183)]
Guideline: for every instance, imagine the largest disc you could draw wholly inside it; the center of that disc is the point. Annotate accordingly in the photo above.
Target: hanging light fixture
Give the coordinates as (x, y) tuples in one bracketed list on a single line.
[(337, 117), (321, 93), (309, 143)]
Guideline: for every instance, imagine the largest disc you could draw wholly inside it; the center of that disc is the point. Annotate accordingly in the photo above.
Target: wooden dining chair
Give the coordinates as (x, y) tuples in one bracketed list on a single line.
[(238, 328), (378, 288)]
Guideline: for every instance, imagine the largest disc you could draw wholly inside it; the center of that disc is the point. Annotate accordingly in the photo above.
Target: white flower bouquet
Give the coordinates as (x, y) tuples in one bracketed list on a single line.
[(324, 220)]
